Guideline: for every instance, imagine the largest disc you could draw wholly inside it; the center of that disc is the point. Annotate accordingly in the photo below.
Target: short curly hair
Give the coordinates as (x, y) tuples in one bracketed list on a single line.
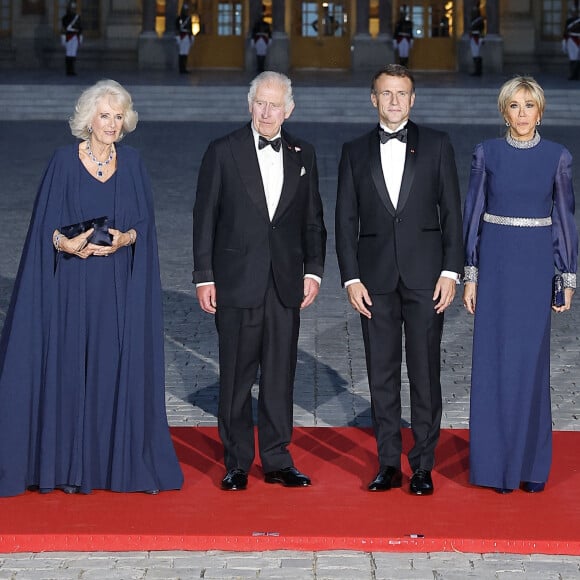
[(86, 108)]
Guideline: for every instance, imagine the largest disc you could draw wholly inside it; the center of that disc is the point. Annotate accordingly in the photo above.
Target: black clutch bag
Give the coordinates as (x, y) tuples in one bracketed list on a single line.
[(101, 235), (558, 291)]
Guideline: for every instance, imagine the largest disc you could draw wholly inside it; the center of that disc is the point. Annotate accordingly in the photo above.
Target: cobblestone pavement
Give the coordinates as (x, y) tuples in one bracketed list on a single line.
[(331, 387)]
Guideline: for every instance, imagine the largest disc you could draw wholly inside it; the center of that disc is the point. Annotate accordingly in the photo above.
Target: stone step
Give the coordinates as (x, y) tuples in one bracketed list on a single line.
[(463, 106)]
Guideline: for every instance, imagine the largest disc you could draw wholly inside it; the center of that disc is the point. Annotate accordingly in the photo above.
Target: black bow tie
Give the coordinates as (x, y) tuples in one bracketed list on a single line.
[(276, 143), (401, 135)]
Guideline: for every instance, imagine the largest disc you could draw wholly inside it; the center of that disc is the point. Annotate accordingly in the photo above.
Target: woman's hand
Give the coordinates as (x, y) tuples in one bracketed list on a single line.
[(568, 293), (77, 246), (470, 296), (120, 240)]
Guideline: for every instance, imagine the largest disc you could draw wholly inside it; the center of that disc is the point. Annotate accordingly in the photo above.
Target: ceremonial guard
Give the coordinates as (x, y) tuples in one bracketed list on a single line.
[(571, 44), (184, 37), (403, 37), (71, 36), (261, 38), (476, 30)]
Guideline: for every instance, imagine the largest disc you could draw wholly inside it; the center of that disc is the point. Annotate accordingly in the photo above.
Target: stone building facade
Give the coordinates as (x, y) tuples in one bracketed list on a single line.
[(522, 35)]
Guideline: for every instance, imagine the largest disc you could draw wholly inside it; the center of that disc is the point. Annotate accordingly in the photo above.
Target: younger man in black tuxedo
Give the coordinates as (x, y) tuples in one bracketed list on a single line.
[(399, 246), (259, 245)]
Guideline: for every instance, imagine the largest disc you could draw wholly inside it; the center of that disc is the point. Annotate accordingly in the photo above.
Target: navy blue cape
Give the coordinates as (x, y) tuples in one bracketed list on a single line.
[(44, 419)]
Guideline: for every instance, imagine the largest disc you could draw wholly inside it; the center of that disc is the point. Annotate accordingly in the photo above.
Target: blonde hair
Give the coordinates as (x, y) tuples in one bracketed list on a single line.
[(86, 108), (511, 87)]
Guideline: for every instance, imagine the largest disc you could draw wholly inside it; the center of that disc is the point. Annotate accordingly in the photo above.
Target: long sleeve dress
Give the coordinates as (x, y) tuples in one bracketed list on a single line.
[(510, 416), (82, 390)]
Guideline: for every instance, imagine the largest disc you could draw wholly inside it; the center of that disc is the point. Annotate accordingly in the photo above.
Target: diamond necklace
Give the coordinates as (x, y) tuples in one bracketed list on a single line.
[(523, 144), (100, 164)]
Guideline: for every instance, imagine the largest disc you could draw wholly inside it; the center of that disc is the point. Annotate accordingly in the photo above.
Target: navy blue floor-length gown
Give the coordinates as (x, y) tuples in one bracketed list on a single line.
[(82, 391), (510, 414)]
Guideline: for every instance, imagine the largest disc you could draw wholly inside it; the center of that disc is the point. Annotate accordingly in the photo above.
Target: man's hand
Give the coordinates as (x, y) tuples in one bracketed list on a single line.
[(206, 296), (359, 298), (311, 288), (444, 293)]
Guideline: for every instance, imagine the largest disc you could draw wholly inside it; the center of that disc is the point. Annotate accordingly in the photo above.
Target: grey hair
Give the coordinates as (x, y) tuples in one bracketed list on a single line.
[(270, 77), (511, 87), (86, 108)]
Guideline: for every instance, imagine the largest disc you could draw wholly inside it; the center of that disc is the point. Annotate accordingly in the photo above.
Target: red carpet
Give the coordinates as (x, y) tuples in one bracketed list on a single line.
[(335, 513)]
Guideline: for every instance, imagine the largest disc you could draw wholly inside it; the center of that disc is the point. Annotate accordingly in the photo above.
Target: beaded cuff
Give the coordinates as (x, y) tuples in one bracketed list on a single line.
[(470, 274), (569, 280)]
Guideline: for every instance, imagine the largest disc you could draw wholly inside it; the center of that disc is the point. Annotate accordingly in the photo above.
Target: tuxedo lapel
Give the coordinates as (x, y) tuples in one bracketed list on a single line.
[(246, 160), (410, 165), (377, 171), (292, 167)]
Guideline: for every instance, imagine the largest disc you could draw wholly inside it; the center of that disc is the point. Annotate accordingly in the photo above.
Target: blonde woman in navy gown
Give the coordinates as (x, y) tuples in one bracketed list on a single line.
[(518, 225)]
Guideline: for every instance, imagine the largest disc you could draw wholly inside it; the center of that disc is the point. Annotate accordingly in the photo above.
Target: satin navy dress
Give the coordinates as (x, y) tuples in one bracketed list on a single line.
[(510, 413), (82, 389)]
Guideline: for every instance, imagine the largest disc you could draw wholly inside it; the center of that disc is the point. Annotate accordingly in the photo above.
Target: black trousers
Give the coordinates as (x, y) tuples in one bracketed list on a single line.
[(264, 338), (411, 310)]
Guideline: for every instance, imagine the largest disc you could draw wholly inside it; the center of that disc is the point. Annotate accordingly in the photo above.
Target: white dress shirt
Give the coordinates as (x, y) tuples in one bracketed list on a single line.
[(393, 163), (272, 170)]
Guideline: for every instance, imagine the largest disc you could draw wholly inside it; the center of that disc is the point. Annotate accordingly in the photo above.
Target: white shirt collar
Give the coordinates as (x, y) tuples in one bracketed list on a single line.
[(385, 128)]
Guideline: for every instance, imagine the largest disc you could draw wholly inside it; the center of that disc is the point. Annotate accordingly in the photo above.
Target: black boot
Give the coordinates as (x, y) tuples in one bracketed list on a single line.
[(477, 66), (183, 64), (404, 61), (574, 70), (70, 66)]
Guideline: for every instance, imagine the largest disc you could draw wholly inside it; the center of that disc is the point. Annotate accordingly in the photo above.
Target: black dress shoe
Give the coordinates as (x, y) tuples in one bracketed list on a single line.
[(421, 482), (288, 477), (386, 479), (533, 486), (235, 480), (502, 490)]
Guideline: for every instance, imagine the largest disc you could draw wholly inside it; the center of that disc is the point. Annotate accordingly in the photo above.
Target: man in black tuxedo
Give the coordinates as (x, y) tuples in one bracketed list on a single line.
[(259, 245), (398, 240)]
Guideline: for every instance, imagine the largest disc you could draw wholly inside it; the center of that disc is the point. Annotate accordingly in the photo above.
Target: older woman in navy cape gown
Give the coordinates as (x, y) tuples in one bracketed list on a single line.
[(519, 224), (82, 392)]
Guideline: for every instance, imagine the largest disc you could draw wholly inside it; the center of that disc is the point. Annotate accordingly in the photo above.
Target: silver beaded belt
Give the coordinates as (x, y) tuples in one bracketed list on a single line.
[(517, 221)]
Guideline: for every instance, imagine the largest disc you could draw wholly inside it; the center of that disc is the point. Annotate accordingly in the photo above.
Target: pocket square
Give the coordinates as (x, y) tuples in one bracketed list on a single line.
[(302, 171)]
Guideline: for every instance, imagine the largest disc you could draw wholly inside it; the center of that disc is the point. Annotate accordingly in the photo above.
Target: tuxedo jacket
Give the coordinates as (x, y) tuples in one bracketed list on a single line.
[(381, 244), (235, 244)]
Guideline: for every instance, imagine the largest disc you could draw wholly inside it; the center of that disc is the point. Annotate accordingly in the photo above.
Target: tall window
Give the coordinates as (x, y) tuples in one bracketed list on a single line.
[(431, 19), (229, 19), (5, 18), (554, 14), (323, 19)]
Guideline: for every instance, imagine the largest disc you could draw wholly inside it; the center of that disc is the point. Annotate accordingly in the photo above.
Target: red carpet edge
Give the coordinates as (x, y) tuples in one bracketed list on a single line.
[(336, 513)]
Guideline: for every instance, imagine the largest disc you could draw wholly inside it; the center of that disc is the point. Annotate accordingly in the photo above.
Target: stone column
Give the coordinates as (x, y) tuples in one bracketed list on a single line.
[(493, 49), (123, 25), (279, 52), (386, 18), (170, 16), (370, 54), (152, 53)]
